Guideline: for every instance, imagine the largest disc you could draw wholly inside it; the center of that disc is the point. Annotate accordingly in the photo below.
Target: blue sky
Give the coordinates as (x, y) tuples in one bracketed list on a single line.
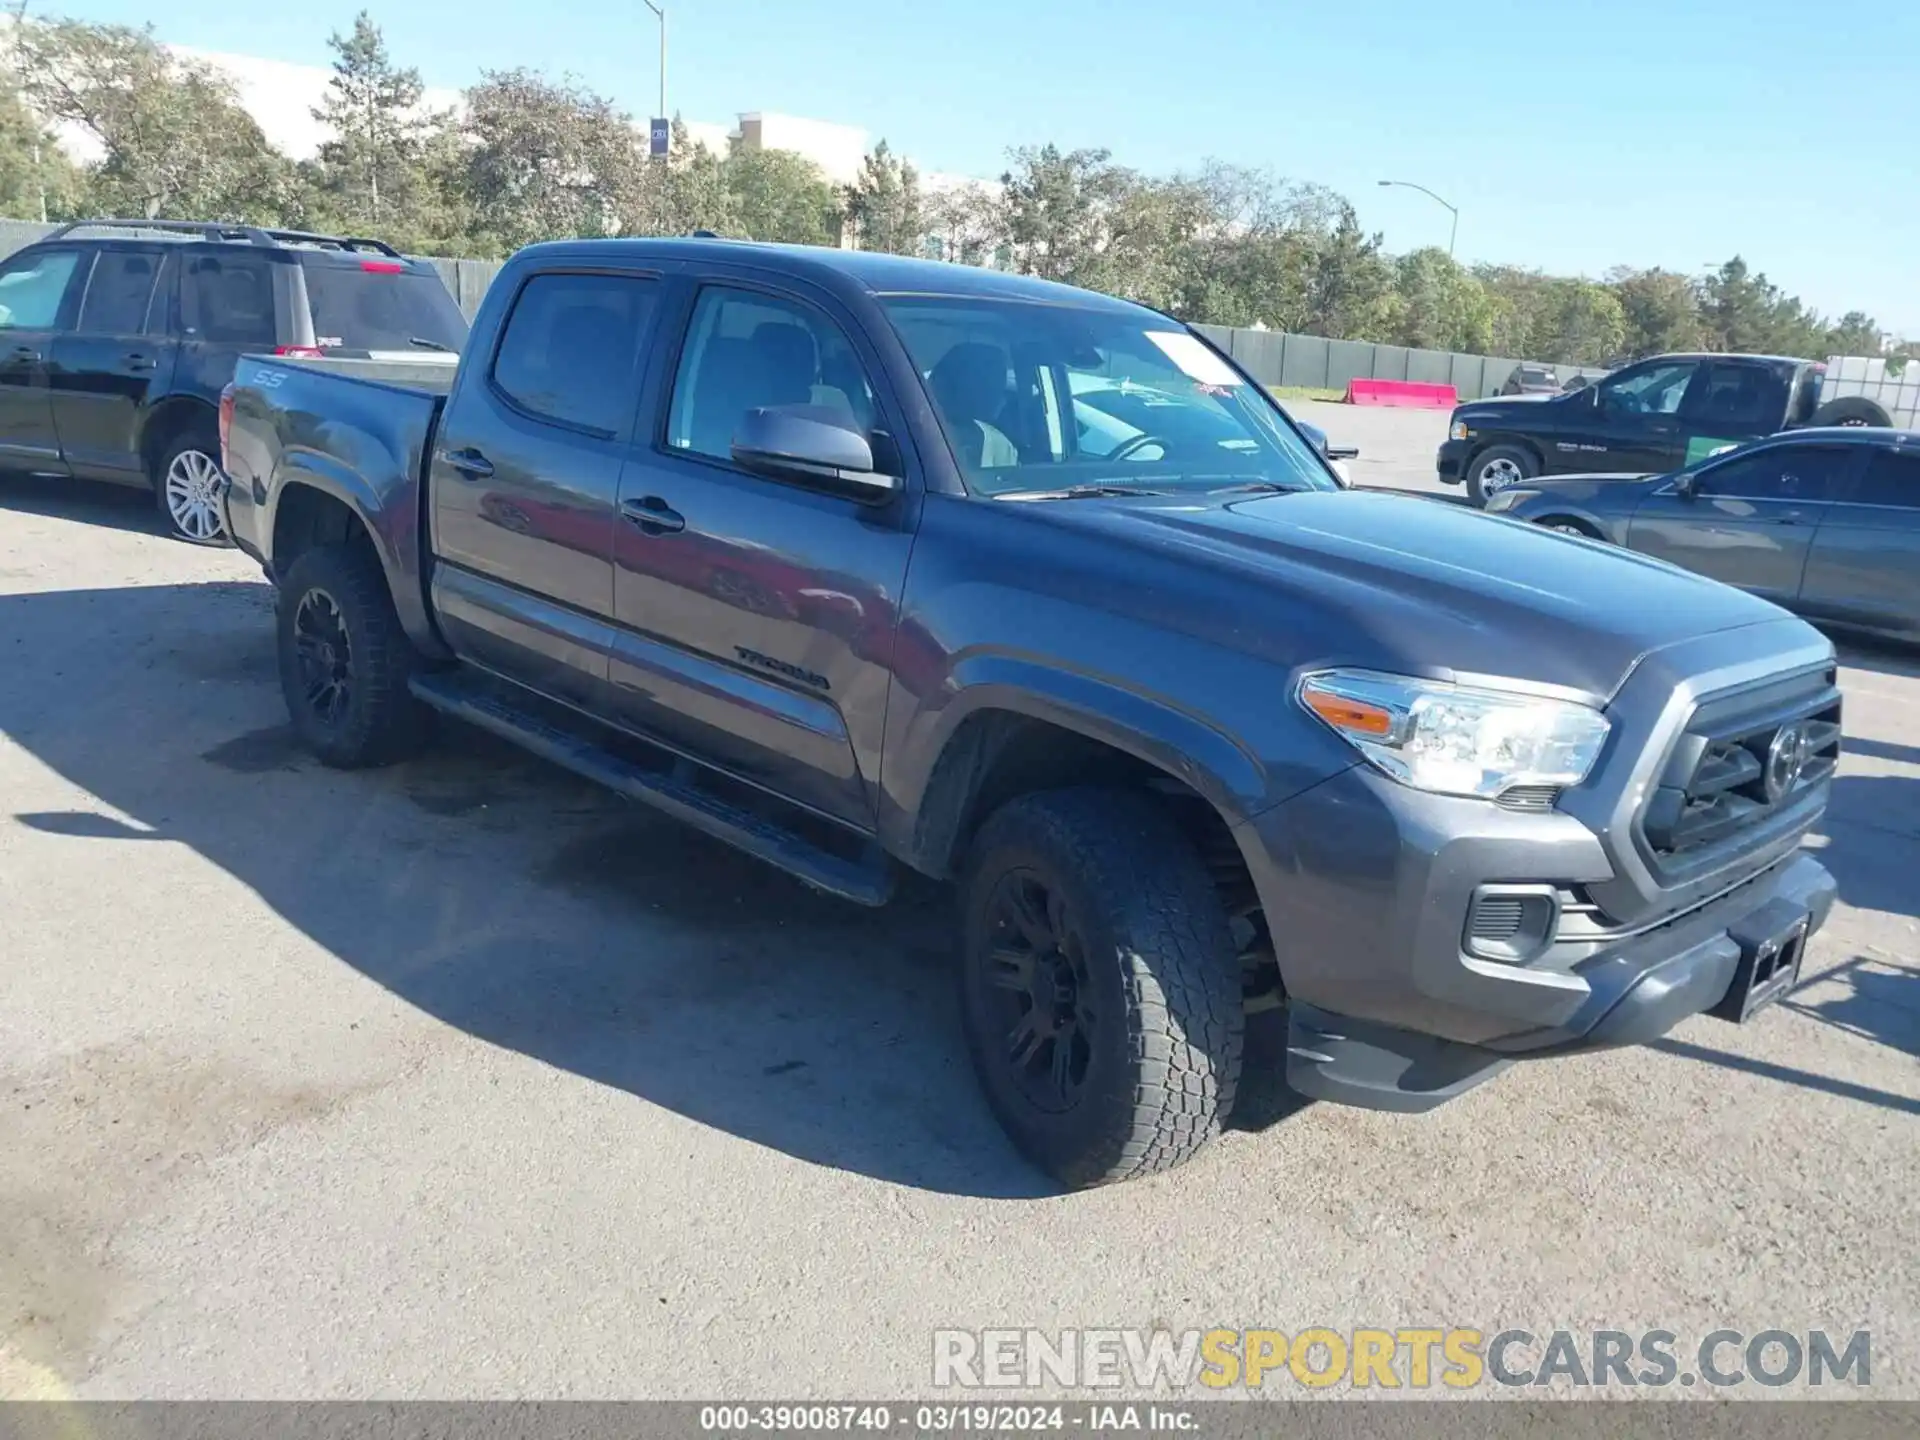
[(1572, 136)]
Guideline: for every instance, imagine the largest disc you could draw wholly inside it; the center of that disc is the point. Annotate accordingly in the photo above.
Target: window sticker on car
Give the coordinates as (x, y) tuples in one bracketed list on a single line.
[(328, 342), (1195, 360)]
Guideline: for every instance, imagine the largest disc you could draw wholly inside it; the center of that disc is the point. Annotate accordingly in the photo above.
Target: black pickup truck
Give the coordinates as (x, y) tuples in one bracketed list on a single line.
[(862, 563), (117, 336), (1647, 419)]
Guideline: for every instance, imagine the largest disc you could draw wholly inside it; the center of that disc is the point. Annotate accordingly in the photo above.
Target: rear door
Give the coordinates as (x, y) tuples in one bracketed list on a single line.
[(524, 475), (234, 301), (1865, 566), (1731, 402), (1629, 423), (38, 293), (1751, 519), (116, 357)]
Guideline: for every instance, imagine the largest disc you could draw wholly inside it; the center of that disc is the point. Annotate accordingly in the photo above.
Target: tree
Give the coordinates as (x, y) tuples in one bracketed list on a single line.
[(1056, 209), (781, 197), (1349, 282), (548, 159), (883, 204), (967, 222), (1437, 305), (1661, 311), (177, 143), (1855, 334), (373, 170), (688, 191), (37, 180)]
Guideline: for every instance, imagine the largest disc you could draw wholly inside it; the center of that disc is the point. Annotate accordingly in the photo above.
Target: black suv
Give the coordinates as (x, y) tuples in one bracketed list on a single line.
[(117, 337)]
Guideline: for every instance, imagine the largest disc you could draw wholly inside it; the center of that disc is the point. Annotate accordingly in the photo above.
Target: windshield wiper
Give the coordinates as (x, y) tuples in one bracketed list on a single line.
[(1076, 492), (426, 344)]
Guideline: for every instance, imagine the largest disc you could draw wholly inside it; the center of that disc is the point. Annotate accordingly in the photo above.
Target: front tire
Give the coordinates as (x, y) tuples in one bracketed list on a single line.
[(1100, 987), (191, 488), (345, 662), (1497, 468)]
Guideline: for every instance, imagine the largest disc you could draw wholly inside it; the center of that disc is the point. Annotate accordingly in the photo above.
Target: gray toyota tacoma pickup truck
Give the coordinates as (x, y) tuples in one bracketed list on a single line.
[(863, 563)]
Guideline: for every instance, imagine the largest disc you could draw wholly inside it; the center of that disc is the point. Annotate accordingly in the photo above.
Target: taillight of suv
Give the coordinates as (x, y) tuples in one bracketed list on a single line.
[(226, 428)]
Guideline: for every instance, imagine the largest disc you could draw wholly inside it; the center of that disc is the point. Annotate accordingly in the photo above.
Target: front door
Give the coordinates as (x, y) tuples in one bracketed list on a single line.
[(524, 475), (36, 299), (756, 619), (116, 355), (1631, 423), (1751, 518)]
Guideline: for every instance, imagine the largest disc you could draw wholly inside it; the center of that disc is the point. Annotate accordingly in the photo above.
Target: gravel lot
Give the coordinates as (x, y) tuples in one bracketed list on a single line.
[(463, 1079)]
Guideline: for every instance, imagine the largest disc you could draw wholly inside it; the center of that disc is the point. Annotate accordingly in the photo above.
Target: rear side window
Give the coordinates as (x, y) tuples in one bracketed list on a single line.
[(1744, 398), (570, 350), (228, 299), (369, 305), (1892, 478), (31, 289), (119, 292)]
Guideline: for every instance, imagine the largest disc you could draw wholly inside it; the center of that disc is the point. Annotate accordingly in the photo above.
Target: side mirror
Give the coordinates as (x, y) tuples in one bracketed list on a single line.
[(812, 445), (1686, 485)]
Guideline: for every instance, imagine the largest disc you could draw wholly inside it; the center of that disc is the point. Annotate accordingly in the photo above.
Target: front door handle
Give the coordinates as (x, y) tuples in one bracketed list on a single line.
[(470, 463), (25, 353), (1793, 518), (653, 515), (135, 360)]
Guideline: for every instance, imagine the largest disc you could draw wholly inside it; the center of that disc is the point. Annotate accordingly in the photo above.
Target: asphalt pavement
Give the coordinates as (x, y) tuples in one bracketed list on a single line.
[(463, 1079)]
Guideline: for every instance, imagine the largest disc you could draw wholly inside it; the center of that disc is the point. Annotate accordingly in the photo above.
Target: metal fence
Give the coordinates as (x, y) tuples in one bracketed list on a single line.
[(1272, 357)]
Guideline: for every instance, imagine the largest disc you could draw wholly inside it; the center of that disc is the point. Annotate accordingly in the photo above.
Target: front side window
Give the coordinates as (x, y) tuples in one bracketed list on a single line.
[(31, 289), (228, 299), (1653, 390), (748, 351), (1780, 472), (1040, 397), (119, 292), (571, 346)]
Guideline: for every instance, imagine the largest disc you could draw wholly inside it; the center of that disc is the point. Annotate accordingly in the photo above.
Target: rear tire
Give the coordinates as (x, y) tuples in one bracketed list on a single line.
[(1100, 988), (1851, 410), (190, 487), (1497, 468), (345, 662)]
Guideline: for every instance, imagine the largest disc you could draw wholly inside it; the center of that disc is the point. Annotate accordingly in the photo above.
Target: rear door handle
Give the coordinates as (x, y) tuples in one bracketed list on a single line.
[(470, 463), (653, 515)]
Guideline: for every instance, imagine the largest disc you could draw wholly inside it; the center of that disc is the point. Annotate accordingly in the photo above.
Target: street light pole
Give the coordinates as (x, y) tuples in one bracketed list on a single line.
[(661, 13), (1454, 232)]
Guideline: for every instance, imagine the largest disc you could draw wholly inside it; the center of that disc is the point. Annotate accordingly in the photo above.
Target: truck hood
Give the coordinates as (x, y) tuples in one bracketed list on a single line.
[(1418, 586), (1506, 404)]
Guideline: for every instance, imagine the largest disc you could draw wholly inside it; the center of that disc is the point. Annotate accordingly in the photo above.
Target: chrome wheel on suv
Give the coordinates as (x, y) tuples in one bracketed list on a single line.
[(192, 490)]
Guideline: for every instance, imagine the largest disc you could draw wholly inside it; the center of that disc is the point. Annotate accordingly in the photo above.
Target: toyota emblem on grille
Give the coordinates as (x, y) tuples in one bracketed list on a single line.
[(1787, 758)]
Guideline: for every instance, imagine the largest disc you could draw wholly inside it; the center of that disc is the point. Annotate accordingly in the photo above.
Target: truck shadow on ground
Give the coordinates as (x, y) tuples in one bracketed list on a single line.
[(90, 502), (523, 907)]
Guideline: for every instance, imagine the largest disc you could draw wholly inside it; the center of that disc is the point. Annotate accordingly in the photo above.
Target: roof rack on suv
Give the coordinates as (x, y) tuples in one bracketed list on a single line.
[(216, 231)]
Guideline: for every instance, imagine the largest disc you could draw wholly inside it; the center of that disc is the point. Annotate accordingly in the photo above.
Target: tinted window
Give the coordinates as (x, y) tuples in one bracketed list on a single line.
[(228, 299), (1780, 472), (365, 305), (1040, 397), (745, 351), (1739, 397), (1654, 390), (31, 289), (570, 346), (118, 292), (1892, 478)]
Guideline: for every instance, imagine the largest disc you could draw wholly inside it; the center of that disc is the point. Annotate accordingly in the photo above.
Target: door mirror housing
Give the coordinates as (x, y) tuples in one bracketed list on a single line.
[(812, 445), (1686, 485)]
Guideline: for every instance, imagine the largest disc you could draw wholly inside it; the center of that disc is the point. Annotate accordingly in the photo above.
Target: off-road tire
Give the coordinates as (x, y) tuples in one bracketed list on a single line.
[(1160, 1073), (379, 721)]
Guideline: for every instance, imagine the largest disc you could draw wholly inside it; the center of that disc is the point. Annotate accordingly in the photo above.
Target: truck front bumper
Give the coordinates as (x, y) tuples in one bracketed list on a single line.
[(1451, 463), (1393, 1002)]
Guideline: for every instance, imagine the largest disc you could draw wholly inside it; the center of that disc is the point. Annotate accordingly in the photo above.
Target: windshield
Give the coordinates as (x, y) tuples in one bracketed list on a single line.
[(373, 306), (1038, 397)]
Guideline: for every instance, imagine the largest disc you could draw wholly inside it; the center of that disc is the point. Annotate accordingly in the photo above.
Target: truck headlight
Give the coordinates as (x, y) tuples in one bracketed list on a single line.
[(1456, 739), (1459, 430)]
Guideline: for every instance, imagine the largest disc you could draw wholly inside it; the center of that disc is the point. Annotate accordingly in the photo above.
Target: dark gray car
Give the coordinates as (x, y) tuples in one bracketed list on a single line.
[(1823, 522)]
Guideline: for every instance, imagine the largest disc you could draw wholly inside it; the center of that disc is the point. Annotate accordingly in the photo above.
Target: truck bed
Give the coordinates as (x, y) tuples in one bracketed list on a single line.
[(357, 430)]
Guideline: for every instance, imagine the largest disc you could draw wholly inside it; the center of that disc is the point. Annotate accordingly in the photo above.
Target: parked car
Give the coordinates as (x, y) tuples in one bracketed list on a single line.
[(117, 336), (1531, 380), (1823, 522), (1662, 414), (806, 548)]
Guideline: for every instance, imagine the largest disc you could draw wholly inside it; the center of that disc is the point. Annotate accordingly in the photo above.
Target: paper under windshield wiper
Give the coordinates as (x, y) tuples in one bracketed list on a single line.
[(1259, 487), (426, 344), (1076, 492)]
